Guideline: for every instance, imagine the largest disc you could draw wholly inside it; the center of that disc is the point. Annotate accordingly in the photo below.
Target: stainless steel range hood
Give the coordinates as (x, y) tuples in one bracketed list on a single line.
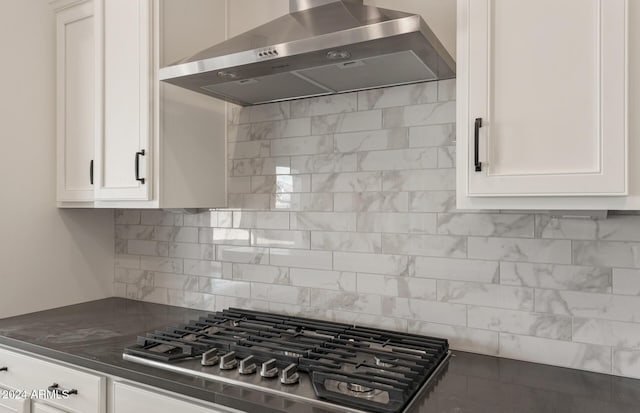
[(321, 47)]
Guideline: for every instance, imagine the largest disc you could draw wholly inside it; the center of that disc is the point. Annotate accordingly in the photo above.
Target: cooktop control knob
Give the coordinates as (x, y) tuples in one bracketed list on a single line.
[(269, 369), (247, 366), (289, 375), (228, 361), (210, 358)]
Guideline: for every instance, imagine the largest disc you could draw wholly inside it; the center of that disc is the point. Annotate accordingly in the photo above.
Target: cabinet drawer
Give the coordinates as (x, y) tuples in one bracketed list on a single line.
[(31, 374)]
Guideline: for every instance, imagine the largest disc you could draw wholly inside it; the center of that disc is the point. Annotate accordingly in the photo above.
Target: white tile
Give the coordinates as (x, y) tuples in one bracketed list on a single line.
[(432, 201), (373, 140), (607, 254), (486, 225), (140, 247), (398, 96), (323, 221), (447, 157), (225, 287), (626, 282), (460, 338), (371, 263), (139, 232), (280, 293), (559, 277), (346, 241), (309, 145), (192, 251), (261, 273), (225, 236), (176, 281), (397, 223), (425, 245), (447, 90), (324, 105), (280, 184), (261, 166), (279, 129), (487, 295), (320, 260), (557, 353), (372, 202), (302, 202), (397, 286), (607, 333), (433, 135), (515, 249), (589, 305), (203, 268), (160, 218), (457, 269), (238, 185), (243, 255), (261, 113), (519, 322), (127, 261), (249, 201), (202, 219), (161, 264), (424, 310), (347, 122), (337, 300), (626, 363), (347, 182), (419, 180), (418, 115), (261, 220), (614, 228), (326, 280), (330, 163), (281, 239), (400, 159)]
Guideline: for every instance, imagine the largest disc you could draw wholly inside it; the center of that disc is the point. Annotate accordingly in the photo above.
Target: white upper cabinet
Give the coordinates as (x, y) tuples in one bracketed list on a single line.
[(122, 166), (542, 104), (76, 85), (144, 144)]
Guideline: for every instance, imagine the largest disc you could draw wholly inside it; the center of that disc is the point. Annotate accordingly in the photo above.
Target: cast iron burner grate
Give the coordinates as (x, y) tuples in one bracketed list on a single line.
[(370, 369)]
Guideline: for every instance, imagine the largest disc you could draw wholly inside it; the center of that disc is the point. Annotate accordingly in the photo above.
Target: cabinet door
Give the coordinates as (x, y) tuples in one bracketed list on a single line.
[(547, 78), (126, 46), (38, 407), (129, 399), (75, 102), (13, 405)]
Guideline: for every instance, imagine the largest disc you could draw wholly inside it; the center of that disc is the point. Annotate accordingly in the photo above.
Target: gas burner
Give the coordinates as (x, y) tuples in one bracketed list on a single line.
[(380, 362), (339, 366)]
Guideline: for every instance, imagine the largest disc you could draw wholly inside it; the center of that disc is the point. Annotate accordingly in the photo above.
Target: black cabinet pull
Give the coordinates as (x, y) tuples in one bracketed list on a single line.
[(55, 388), (91, 172), (4, 368), (477, 145), (138, 155)]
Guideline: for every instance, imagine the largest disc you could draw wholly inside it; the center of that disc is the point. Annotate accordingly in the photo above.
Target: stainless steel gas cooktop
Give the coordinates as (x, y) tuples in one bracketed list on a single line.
[(338, 366)]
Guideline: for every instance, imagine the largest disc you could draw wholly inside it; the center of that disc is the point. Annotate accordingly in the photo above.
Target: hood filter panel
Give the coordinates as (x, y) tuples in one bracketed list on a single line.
[(379, 71)]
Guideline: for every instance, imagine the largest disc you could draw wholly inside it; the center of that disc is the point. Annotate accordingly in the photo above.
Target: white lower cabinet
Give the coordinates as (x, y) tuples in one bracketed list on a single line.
[(132, 399), (9, 404), (38, 407), (42, 379)]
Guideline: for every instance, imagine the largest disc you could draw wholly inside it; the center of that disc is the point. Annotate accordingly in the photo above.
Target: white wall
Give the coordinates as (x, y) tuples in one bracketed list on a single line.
[(48, 257)]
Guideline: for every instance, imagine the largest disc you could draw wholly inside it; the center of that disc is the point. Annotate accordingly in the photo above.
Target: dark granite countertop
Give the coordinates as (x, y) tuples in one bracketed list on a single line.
[(93, 335)]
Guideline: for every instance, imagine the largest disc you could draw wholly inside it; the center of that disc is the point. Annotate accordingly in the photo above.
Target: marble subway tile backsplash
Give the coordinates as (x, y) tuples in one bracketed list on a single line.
[(343, 208)]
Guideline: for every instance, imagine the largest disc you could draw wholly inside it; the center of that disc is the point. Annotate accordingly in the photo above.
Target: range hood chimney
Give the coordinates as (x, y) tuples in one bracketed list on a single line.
[(322, 47)]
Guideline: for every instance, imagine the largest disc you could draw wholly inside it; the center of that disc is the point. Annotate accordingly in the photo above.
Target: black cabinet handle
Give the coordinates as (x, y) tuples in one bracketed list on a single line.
[(477, 145), (91, 172), (55, 388), (4, 368), (138, 155)]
